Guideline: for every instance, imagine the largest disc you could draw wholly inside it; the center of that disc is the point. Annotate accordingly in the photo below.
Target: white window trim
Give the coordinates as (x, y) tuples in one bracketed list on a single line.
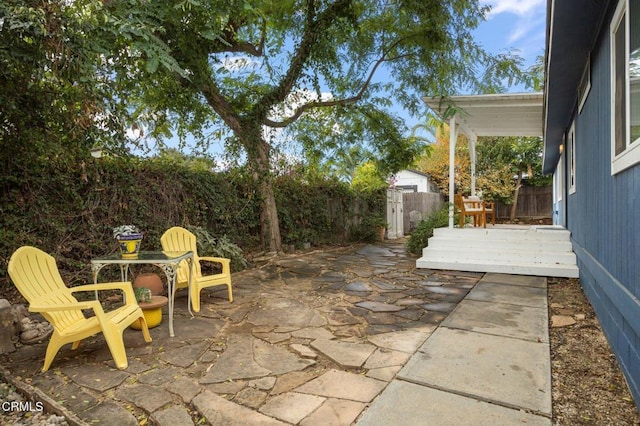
[(585, 84), (571, 157), (561, 168), (631, 155)]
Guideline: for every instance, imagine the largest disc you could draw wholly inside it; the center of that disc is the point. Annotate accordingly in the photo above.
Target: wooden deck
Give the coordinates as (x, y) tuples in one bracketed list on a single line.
[(509, 249)]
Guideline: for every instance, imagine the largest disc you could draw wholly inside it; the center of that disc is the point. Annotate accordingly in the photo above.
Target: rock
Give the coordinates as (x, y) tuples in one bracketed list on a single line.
[(10, 320), (6, 341), (34, 331), (580, 317), (561, 321)]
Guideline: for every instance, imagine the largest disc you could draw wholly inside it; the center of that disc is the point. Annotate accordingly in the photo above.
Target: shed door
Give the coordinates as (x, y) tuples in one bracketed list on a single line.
[(395, 223)]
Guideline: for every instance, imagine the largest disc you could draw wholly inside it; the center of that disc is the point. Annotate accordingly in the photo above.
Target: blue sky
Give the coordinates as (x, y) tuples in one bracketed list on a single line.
[(518, 24)]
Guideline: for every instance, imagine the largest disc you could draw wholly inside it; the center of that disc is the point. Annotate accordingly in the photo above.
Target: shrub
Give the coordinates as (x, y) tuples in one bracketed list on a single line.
[(420, 236), (208, 245)]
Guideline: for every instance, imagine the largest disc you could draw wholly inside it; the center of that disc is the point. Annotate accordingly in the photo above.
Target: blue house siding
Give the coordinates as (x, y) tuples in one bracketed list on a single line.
[(603, 216)]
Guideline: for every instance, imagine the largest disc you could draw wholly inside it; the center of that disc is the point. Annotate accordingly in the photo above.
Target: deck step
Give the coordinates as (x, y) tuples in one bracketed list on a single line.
[(541, 251)]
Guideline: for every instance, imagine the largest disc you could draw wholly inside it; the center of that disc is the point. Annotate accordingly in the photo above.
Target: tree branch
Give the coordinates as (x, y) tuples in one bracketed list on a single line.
[(346, 101), (315, 26), (230, 43)]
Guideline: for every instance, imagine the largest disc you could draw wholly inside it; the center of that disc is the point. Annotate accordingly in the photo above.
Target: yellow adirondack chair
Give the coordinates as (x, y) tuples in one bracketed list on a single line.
[(179, 239), (36, 276)]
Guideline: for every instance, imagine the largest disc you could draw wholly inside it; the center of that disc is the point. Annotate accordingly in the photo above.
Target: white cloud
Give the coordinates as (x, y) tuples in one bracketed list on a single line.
[(524, 29), (516, 7), (520, 24)]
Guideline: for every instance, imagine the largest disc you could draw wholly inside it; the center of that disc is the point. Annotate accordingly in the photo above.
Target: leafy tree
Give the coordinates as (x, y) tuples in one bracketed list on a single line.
[(45, 108), (436, 163), (76, 74), (57, 92), (517, 156), (250, 64), (367, 177)]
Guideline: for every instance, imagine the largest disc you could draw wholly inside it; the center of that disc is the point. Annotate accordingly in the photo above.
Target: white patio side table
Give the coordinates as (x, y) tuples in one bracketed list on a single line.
[(166, 260)]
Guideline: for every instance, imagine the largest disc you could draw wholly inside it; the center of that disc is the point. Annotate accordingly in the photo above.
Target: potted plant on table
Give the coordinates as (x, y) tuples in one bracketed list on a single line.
[(129, 238)]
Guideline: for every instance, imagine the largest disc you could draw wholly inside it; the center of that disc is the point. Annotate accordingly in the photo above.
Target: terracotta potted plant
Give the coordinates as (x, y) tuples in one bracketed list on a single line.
[(151, 281)]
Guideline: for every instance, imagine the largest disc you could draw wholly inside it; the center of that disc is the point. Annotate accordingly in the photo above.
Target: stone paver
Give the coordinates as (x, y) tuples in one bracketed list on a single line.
[(283, 312), (100, 380), (247, 357), (148, 398), (383, 357), (108, 412), (185, 388), (346, 354), (185, 355), (310, 339), (384, 373), (404, 341), (517, 280), (173, 416), (292, 406), (219, 411), (334, 412), (344, 385), (502, 319), (504, 293), (379, 307), (408, 404), (304, 351)]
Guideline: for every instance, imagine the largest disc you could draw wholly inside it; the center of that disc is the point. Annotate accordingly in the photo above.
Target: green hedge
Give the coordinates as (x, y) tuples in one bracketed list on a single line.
[(68, 207)]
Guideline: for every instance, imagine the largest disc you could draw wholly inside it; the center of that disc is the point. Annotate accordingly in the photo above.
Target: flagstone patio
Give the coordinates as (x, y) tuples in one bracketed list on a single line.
[(309, 339)]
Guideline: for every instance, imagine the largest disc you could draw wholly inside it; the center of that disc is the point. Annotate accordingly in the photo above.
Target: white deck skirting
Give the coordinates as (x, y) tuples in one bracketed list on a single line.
[(509, 249)]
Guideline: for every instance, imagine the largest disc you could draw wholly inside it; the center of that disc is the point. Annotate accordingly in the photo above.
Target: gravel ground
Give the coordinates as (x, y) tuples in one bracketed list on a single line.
[(19, 411), (588, 387)]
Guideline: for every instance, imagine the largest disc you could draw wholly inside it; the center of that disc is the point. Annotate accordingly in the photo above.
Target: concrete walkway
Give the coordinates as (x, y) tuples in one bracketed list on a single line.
[(349, 336), (487, 364)]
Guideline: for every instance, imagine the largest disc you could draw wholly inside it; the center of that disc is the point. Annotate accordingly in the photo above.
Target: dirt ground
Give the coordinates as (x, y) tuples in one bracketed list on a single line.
[(587, 385)]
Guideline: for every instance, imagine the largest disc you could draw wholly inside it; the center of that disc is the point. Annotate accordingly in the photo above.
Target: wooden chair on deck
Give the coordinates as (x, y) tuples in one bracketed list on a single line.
[(489, 208), (467, 208)]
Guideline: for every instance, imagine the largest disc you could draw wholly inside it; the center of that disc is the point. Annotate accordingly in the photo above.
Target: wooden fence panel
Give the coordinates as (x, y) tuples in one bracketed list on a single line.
[(417, 206), (533, 202)]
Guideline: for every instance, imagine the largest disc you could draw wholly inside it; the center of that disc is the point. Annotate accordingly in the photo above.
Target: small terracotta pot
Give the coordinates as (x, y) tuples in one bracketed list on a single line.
[(151, 281)]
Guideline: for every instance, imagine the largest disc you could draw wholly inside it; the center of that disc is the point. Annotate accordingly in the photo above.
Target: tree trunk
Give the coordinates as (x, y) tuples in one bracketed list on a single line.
[(514, 206), (258, 156)]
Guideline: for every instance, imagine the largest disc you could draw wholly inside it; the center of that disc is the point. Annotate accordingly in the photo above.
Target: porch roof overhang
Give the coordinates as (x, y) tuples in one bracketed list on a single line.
[(505, 114)]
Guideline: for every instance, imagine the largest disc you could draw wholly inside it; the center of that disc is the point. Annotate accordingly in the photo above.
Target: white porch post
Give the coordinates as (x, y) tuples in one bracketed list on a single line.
[(453, 136), (473, 140)]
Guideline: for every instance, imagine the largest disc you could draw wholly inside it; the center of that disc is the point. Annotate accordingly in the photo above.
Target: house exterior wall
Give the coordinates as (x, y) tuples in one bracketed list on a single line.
[(406, 179), (603, 215)]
